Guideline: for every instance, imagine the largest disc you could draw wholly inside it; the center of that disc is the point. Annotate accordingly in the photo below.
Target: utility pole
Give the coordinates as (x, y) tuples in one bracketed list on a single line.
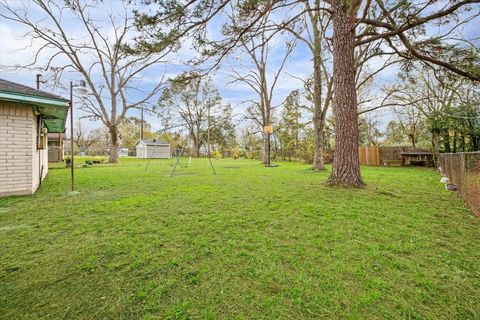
[(71, 139), (38, 80), (141, 125), (208, 132)]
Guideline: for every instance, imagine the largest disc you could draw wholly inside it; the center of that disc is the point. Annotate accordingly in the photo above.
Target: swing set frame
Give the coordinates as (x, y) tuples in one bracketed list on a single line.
[(178, 156)]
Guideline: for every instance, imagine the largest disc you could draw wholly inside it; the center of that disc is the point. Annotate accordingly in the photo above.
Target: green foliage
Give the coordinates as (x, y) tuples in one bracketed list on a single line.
[(448, 105), (129, 131), (306, 147), (290, 125)]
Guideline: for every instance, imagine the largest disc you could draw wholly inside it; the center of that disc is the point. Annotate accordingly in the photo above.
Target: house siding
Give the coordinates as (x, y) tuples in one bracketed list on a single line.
[(155, 152), (18, 152)]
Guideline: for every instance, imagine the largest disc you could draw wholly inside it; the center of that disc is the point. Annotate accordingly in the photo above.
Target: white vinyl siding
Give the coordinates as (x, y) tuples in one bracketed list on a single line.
[(144, 151)]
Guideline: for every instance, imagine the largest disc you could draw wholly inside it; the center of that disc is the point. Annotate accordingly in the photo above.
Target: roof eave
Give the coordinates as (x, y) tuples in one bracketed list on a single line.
[(25, 98), (42, 105)]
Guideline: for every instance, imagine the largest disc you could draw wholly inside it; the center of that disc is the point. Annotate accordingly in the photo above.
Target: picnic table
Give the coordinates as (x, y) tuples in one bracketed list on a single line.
[(417, 158)]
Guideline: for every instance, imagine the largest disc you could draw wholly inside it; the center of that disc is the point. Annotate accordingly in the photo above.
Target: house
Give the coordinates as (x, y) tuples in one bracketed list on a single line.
[(56, 142), (152, 149), (26, 116)]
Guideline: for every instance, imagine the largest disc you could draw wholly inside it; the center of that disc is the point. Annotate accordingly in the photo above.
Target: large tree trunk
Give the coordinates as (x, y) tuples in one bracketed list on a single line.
[(346, 165), (113, 153)]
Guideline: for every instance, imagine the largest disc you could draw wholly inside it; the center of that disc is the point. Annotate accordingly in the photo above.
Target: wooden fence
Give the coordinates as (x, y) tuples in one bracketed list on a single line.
[(369, 156), (379, 156)]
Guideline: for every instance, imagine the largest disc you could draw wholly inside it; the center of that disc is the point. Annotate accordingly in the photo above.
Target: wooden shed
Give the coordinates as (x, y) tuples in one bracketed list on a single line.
[(154, 149)]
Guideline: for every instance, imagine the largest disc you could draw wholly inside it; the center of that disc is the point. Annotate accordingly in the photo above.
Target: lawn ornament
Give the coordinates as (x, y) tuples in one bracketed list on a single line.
[(451, 187), (444, 180)]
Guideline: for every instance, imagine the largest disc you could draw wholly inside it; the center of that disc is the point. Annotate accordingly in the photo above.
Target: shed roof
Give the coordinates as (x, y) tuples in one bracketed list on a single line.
[(53, 108), (153, 142)]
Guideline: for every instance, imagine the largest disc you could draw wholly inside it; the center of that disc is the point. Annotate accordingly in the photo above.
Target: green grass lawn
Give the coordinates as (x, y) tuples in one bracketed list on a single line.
[(248, 243)]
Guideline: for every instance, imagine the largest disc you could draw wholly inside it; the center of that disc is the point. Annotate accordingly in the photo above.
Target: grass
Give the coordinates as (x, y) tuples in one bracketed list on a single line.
[(248, 243)]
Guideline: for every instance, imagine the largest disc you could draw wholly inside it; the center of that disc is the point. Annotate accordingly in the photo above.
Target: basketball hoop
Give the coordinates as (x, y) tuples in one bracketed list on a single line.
[(268, 129)]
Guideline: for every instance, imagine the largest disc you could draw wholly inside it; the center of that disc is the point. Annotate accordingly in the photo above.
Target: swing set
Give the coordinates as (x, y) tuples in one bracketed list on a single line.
[(179, 160)]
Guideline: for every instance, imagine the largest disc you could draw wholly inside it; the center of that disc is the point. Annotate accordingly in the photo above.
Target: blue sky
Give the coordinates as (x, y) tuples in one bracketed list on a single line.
[(14, 50)]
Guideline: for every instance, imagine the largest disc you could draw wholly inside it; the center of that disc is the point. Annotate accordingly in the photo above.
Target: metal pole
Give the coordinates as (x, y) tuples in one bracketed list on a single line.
[(211, 164), (141, 126), (39, 76), (178, 159), (72, 174), (208, 133)]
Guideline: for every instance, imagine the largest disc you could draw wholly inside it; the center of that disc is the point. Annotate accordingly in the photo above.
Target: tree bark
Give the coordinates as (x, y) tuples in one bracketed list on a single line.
[(412, 140), (346, 165), (113, 153), (197, 150), (266, 149), (446, 142), (319, 144), (318, 118), (436, 147), (455, 142)]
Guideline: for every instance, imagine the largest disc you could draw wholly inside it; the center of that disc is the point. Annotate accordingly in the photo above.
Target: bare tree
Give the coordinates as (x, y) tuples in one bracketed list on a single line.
[(83, 138), (312, 25), (262, 77), (411, 122), (369, 129), (110, 69)]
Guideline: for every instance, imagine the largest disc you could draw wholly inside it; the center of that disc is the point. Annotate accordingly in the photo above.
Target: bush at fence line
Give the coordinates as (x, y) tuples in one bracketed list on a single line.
[(216, 154), (305, 150), (235, 153), (252, 155)]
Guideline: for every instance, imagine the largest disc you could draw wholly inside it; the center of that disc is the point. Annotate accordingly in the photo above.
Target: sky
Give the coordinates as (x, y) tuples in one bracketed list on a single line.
[(18, 49)]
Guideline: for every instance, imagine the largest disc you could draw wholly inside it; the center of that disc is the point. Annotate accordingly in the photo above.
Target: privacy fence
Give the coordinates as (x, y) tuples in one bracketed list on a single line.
[(463, 170), (379, 156)]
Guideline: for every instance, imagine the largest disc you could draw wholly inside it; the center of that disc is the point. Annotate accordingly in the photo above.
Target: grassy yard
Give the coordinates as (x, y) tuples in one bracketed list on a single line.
[(248, 243)]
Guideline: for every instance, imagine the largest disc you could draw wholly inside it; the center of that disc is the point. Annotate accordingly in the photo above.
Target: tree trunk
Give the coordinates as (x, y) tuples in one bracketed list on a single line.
[(412, 140), (113, 153), (319, 144), (446, 142), (455, 142), (346, 164), (436, 147), (197, 149), (266, 149), (474, 141), (318, 119)]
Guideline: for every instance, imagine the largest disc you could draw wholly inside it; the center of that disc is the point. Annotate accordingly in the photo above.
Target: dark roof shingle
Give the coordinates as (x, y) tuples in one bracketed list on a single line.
[(10, 86)]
